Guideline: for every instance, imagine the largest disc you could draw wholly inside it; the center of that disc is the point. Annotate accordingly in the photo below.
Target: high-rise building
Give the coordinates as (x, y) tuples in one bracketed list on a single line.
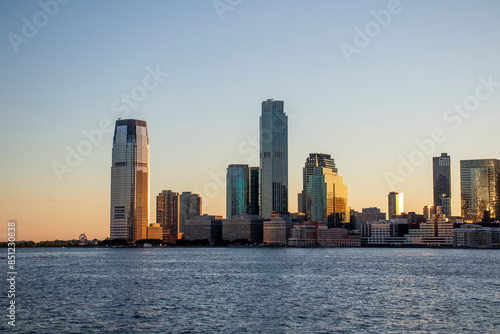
[(396, 204), (167, 214), (480, 188), (130, 181), (327, 198), (237, 190), (242, 190), (273, 158), (314, 159), (253, 191), (189, 208), (442, 183)]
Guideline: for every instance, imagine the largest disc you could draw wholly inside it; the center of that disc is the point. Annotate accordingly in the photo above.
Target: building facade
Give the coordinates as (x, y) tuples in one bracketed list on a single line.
[(189, 208), (244, 227), (318, 234), (314, 159), (277, 231), (441, 168), (480, 188), (273, 158), (384, 232), (435, 232), (242, 190), (396, 204), (327, 198), (253, 190), (369, 215), (237, 190), (167, 214), (203, 227), (130, 181)]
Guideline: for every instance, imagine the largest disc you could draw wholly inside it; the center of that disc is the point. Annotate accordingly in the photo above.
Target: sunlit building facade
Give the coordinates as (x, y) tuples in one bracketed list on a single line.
[(396, 204), (435, 232), (273, 158), (441, 168), (167, 214), (327, 198), (480, 188), (130, 181), (314, 159)]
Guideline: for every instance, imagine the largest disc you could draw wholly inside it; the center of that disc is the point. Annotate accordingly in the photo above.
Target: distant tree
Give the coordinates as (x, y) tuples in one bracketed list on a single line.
[(114, 242), (221, 243), (241, 242)]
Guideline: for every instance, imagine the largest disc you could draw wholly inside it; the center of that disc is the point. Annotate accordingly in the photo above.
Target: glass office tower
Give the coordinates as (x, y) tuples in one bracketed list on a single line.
[(441, 168), (237, 190), (273, 158), (480, 188), (130, 181), (314, 159), (253, 191), (327, 198)]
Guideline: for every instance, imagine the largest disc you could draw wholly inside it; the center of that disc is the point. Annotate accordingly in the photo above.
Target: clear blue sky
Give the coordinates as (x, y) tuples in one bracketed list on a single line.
[(366, 113)]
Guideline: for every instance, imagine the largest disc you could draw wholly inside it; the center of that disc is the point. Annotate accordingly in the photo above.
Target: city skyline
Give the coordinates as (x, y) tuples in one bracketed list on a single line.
[(379, 115)]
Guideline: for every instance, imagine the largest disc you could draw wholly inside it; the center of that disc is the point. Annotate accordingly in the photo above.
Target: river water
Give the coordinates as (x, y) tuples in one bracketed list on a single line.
[(255, 290)]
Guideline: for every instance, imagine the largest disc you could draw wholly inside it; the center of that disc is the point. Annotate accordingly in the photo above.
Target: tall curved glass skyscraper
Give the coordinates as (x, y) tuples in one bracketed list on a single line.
[(130, 181), (273, 158)]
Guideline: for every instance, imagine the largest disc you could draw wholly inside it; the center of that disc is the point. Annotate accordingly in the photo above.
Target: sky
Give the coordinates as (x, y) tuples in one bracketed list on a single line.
[(382, 86)]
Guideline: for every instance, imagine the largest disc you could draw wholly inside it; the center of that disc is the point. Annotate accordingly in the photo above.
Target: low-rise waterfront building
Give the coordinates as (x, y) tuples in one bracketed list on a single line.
[(435, 232), (205, 227), (476, 236), (243, 227), (312, 234), (277, 231)]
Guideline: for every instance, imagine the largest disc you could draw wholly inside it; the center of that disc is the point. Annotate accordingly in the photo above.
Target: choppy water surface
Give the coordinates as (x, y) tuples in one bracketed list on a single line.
[(243, 290)]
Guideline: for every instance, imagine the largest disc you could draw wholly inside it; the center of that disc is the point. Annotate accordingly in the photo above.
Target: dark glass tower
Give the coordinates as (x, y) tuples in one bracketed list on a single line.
[(273, 158), (237, 190), (442, 182), (253, 191), (130, 181)]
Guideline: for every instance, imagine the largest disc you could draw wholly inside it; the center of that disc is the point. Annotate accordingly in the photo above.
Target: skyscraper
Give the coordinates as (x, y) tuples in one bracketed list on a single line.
[(167, 214), (273, 158), (442, 183), (189, 208), (242, 190), (314, 159), (480, 188), (130, 181), (253, 191), (237, 190), (327, 198), (396, 204)]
